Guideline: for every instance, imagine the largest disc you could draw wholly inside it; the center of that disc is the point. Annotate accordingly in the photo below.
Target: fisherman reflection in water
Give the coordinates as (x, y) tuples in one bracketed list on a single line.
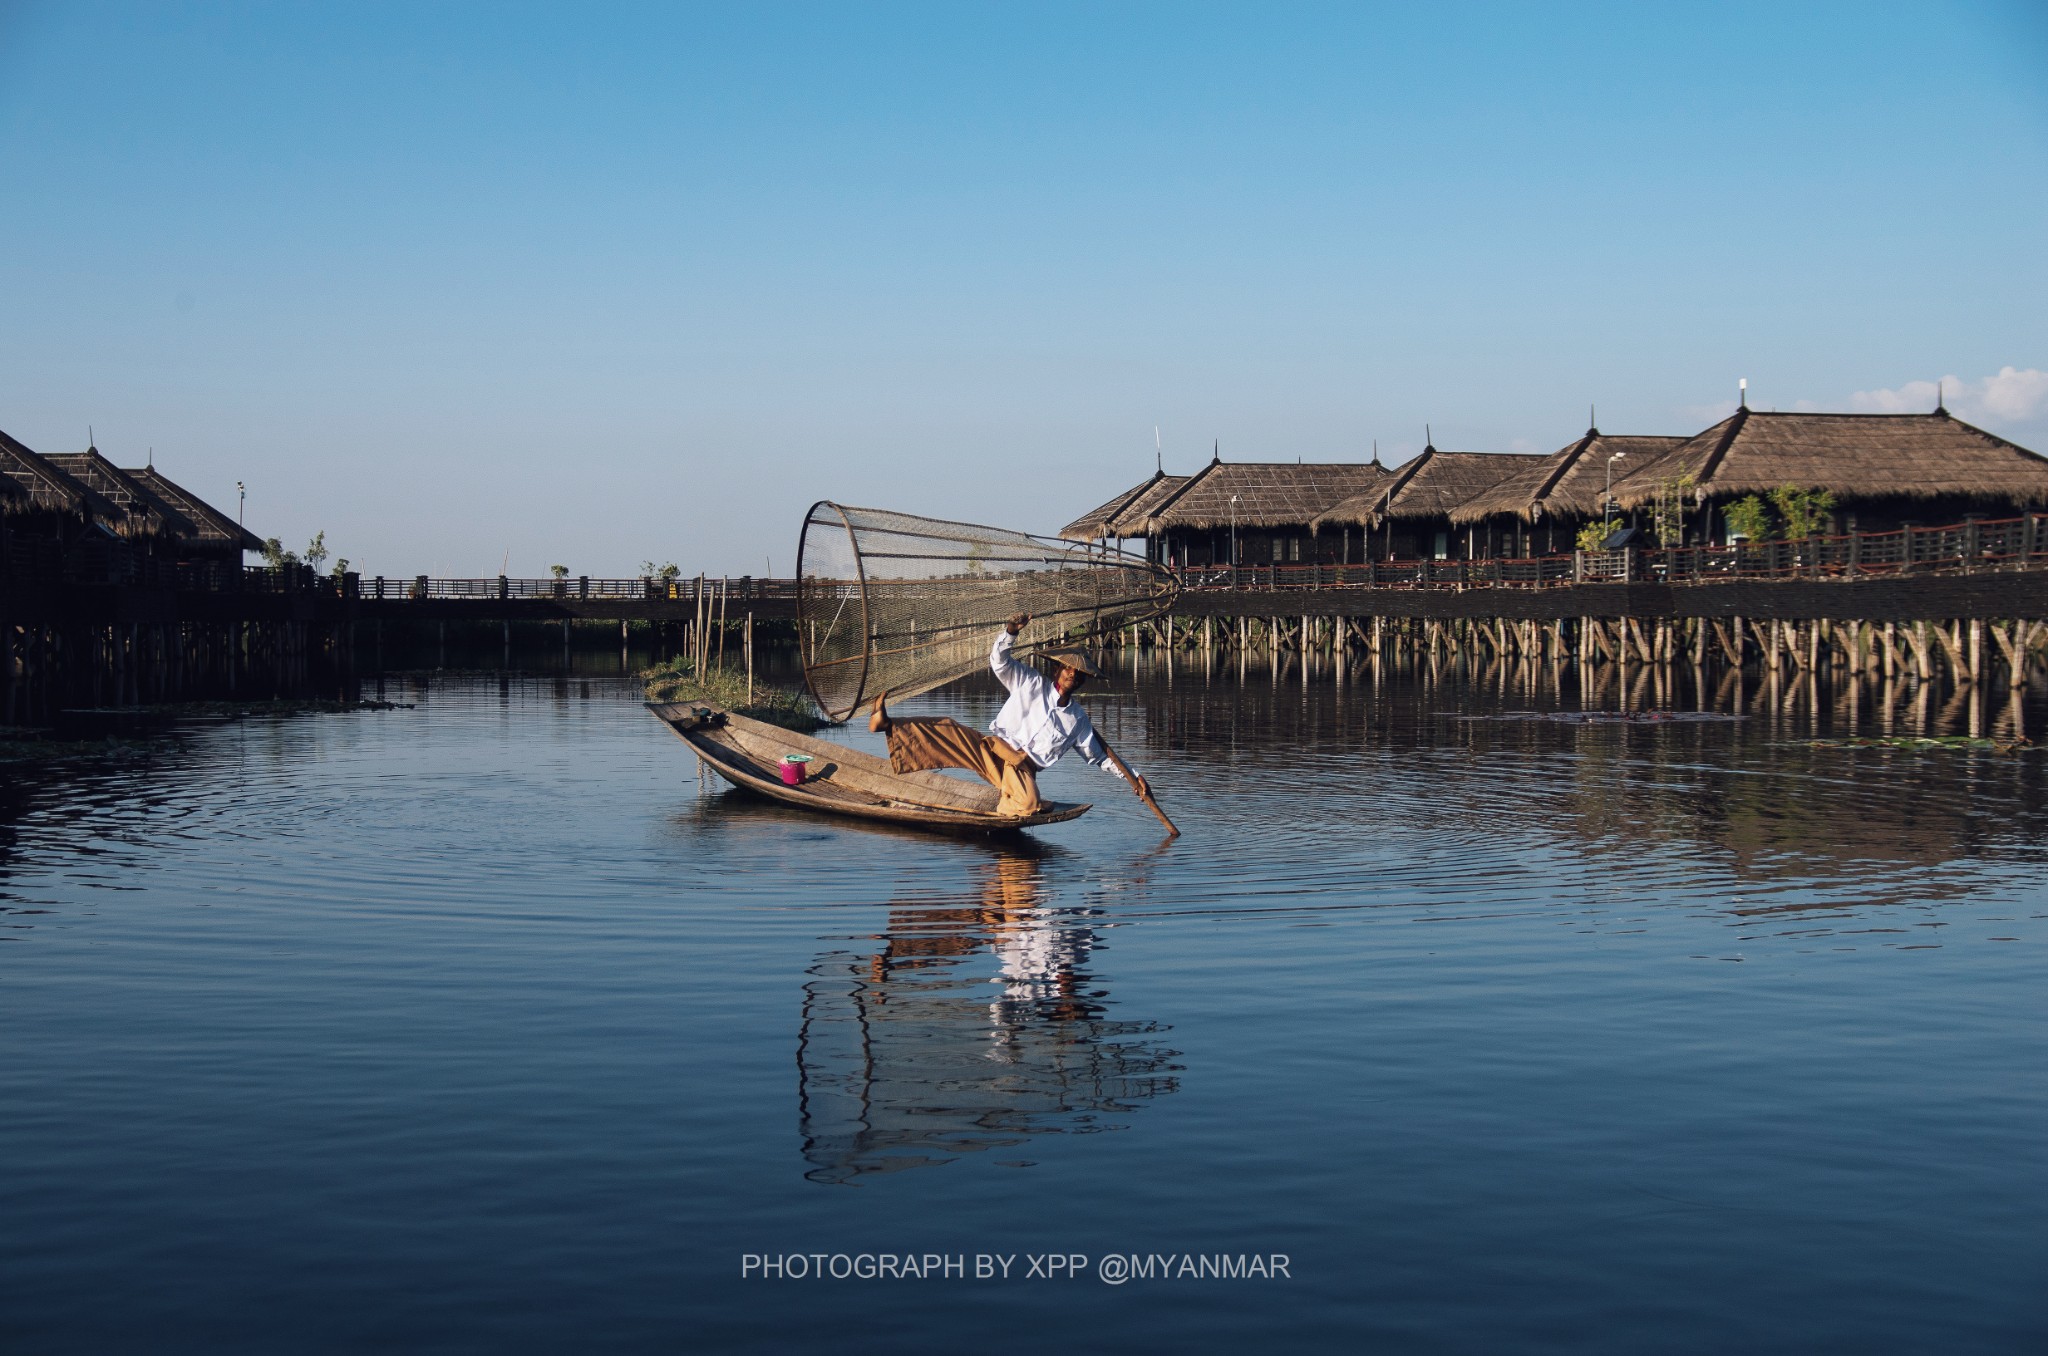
[(908, 1056), (1040, 952), (1037, 725)]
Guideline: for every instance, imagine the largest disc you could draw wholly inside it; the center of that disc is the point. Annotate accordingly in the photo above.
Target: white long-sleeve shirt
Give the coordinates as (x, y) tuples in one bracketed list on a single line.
[(1033, 719)]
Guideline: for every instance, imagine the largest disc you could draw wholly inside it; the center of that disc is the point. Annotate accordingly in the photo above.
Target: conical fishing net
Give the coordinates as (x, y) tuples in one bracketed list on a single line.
[(888, 602)]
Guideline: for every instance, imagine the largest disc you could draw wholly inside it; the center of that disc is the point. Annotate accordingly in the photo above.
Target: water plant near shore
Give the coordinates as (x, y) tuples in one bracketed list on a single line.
[(674, 681)]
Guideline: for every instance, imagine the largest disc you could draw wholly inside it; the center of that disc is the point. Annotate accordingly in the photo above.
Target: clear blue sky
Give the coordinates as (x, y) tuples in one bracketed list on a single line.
[(595, 285)]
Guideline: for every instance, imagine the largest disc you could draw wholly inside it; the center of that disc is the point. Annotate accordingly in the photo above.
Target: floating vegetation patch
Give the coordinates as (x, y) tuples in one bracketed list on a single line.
[(1926, 742), (39, 746), (102, 731), (674, 682), (1612, 717)]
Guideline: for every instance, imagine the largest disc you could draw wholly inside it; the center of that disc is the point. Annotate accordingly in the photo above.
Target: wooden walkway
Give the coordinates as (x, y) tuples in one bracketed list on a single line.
[(198, 630), (582, 598)]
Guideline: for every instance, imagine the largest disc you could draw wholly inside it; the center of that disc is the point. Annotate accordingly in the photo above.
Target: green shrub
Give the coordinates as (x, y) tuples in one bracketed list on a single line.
[(1748, 518), (1805, 512)]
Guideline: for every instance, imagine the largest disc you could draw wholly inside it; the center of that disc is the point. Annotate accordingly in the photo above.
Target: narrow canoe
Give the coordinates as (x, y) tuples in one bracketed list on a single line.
[(842, 781)]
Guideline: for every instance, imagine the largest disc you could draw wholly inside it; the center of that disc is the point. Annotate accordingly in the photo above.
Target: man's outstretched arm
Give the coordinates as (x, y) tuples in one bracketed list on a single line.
[(1091, 747), (1007, 670)]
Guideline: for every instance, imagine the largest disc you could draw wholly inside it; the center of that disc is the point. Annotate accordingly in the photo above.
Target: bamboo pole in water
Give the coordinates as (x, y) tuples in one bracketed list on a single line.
[(723, 591)]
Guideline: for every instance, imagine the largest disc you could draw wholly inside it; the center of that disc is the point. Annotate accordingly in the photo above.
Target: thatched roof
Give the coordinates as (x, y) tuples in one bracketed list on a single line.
[(139, 510), (1100, 522), (1268, 494), (1568, 482), (1429, 486), (1131, 519), (1855, 456), (212, 525), (43, 486)]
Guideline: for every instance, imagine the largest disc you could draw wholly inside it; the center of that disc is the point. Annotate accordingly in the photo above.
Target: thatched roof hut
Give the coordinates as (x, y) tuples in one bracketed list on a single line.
[(1853, 456), (1131, 519), (39, 485), (1429, 486), (139, 511), (213, 527), (1103, 520), (1566, 484), (102, 500), (1267, 494)]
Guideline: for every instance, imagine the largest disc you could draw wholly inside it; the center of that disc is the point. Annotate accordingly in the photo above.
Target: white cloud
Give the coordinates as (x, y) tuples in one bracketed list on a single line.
[(2015, 395), (2012, 396)]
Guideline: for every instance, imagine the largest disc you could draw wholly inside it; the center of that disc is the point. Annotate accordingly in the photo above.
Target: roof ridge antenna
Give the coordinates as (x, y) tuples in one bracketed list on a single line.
[(1940, 397), (1216, 452), (1592, 418), (1158, 452), (1742, 392)]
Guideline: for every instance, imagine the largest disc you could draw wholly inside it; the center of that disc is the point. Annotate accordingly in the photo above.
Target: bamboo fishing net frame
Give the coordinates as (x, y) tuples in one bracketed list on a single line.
[(891, 602)]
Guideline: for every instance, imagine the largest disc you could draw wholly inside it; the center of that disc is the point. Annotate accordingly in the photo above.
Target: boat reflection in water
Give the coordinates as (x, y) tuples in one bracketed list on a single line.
[(972, 1025)]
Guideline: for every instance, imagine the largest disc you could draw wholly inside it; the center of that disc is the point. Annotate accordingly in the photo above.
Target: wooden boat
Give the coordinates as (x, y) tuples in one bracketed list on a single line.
[(842, 781)]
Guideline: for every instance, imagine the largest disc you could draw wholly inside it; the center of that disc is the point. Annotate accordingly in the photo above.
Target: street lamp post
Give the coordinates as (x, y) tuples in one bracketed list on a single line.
[(1607, 500)]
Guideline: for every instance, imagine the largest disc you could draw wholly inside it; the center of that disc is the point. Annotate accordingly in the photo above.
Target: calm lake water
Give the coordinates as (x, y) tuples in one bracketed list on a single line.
[(491, 1026)]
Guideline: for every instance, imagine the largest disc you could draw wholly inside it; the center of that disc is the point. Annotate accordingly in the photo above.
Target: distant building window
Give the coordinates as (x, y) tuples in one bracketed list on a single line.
[(1443, 545)]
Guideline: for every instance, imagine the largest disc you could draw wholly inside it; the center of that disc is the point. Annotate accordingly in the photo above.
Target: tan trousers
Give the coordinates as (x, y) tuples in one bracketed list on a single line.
[(922, 743)]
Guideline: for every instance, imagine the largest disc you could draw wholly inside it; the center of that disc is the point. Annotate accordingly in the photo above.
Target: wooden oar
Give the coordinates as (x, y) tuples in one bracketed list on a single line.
[(1143, 795)]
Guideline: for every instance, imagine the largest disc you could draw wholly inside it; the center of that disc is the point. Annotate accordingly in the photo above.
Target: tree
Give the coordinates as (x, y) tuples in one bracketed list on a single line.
[(1592, 534), (1805, 511), (316, 549), (559, 571), (1667, 520), (275, 556), (1749, 519), (340, 567)]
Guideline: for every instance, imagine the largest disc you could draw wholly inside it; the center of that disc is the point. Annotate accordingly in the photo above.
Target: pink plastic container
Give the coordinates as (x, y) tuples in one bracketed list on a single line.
[(793, 769)]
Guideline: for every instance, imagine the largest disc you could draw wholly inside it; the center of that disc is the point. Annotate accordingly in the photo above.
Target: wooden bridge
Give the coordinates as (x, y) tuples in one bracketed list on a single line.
[(1984, 569), (69, 636), (580, 598)]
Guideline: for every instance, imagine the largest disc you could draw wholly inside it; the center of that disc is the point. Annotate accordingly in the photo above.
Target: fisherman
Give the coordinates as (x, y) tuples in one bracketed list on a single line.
[(1037, 724)]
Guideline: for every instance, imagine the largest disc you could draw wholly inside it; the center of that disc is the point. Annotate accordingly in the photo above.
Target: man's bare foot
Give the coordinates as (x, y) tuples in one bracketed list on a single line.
[(879, 721)]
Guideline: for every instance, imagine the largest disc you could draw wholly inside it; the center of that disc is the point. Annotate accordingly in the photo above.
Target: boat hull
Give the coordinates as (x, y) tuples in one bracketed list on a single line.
[(842, 781)]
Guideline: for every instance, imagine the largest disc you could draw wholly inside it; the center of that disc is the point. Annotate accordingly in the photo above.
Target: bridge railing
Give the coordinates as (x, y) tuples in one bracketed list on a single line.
[(1959, 548), (740, 589), (2001, 544)]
